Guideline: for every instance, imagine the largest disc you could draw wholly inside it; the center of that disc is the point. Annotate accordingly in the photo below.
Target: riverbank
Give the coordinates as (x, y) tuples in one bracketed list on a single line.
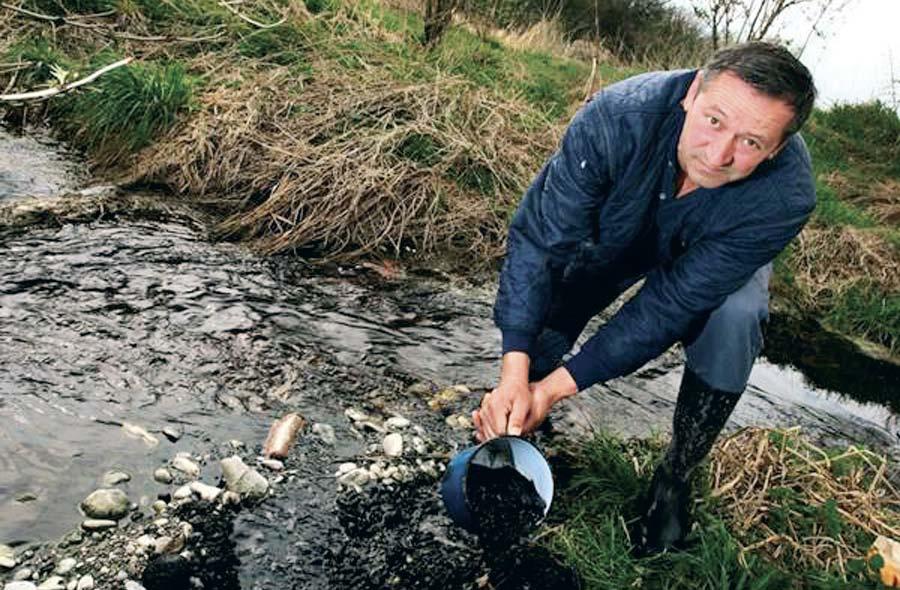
[(327, 130)]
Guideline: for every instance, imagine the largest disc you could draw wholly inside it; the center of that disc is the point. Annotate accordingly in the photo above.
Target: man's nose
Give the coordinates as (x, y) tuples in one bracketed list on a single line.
[(721, 152)]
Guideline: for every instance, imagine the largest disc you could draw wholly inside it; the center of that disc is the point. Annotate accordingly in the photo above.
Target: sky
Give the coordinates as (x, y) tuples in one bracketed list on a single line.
[(852, 63)]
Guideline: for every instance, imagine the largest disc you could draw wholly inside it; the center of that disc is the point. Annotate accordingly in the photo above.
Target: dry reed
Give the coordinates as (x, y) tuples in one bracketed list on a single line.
[(750, 467)]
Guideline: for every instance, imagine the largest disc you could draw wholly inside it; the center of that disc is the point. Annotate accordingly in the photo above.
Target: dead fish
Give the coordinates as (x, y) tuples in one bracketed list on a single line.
[(282, 435)]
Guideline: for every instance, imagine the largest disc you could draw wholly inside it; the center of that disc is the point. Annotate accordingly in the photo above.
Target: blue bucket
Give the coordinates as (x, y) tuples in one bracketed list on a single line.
[(497, 453)]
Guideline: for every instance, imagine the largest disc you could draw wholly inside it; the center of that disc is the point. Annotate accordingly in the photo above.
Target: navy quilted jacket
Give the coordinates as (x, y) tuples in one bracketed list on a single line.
[(591, 206)]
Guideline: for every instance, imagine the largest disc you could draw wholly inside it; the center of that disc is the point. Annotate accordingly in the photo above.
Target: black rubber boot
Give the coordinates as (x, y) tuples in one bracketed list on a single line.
[(700, 414)]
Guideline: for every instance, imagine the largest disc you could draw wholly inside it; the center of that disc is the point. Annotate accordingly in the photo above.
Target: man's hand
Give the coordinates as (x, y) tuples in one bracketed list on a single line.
[(516, 408)]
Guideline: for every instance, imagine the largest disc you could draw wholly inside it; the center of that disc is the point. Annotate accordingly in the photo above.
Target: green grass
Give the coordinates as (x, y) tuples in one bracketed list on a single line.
[(864, 310), (598, 495)]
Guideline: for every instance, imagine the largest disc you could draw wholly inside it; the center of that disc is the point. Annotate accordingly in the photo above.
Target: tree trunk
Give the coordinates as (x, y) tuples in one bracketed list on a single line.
[(437, 17)]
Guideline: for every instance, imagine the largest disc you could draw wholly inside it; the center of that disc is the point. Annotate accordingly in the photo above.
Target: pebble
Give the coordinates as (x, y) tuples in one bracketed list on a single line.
[(459, 422), (183, 493), (173, 434), (325, 432), (65, 566), (205, 491), (26, 497), (20, 586), (419, 445), (145, 542), (235, 444), (356, 415), (163, 475), (7, 557), (397, 422), (22, 574), (132, 585), (106, 504), (114, 478), (230, 498), (136, 431), (345, 468), (242, 479), (273, 464), (186, 466), (85, 583), (393, 445), (53, 583), (158, 507), (356, 478), (98, 524)]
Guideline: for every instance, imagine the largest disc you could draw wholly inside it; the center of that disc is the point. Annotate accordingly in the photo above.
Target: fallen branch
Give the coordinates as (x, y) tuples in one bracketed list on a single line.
[(246, 18), (47, 93)]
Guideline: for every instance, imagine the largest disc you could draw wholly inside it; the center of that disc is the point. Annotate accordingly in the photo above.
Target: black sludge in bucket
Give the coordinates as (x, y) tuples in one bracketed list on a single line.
[(505, 503)]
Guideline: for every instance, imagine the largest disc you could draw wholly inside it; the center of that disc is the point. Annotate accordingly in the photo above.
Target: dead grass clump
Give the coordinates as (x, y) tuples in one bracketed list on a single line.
[(355, 164), (829, 261), (801, 505), (881, 199)]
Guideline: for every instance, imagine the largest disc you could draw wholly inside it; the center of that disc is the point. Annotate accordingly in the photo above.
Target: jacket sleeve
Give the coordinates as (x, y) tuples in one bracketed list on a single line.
[(674, 297), (556, 214)]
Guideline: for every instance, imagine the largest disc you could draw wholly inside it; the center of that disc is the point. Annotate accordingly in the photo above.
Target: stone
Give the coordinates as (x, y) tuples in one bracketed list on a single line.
[(173, 434), (114, 478), (7, 557), (86, 582), (163, 475), (20, 585), (183, 493), (65, 566), (205, 491), (22, 574), (325, 432), (106, 504), (344, 468), (282, 435), (356, 415), (135, 431), (419, 445), (168, 545), (186, 466), (396, 422), (243, 480), (393, 445), (26, 497), (146, 542), (158, 507), (53, 583), (132, 585), (230, 499), (97, 524), (356, 478), (273, 464)]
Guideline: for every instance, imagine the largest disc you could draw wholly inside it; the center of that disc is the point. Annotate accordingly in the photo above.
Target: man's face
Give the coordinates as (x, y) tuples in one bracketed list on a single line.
[(729, 129)]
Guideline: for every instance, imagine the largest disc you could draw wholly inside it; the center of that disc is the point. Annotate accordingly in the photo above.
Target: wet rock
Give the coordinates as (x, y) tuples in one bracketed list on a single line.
[(53, 583), (393, 445), (168, 545), (7, 557), (355, 478), (97, 524), (167, 572), (132, 585), (26, 497), (356, 415), (106, 504), (396, 422), (459, 422), (136, 431), (282, 435), (146, 542), (65, 566), (186, 466), (20, 586), (345, 468), (158, 507), (183, 493), (447, 397), (205, 491), (370, 425), (325, 432), (230, 499), (419, 445), (173, 434), (236, 444), (243, 480), (86, 582), (114, 478), (163, 475), (22, 574), (273, 464)]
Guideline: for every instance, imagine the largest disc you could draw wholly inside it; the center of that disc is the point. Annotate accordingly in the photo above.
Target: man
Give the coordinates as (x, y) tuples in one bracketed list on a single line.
[(691, 180)]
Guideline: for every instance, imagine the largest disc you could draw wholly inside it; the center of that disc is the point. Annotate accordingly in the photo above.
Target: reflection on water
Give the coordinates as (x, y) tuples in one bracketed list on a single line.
[(32, 163)]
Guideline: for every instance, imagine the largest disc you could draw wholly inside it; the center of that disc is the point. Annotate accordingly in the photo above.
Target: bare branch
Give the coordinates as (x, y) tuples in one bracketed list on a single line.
[(47, 93), (246, 18)]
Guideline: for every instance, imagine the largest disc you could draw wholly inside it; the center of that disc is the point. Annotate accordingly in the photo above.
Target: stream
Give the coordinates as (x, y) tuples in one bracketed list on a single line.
[(147, 322)]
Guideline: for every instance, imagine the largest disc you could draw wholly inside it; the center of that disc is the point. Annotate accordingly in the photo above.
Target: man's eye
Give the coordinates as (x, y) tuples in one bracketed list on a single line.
[(752, 143), (714, 121)]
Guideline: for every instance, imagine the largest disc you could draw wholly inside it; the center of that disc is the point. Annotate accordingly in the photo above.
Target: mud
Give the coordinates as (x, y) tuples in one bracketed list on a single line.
[(505, 504)]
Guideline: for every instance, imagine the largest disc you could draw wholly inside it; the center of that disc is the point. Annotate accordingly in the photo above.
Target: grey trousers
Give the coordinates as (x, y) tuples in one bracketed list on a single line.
[(721, 349)]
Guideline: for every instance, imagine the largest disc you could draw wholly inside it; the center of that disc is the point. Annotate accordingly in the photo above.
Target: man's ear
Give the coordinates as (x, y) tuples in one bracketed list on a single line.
[(693, 91)]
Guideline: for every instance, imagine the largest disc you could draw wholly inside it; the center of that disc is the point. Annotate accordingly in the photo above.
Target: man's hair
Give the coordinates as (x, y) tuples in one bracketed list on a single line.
[(772, 70)]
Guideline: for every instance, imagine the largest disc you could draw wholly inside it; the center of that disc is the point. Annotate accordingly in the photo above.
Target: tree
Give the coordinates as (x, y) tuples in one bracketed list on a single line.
[(738, 21), (438, 14)]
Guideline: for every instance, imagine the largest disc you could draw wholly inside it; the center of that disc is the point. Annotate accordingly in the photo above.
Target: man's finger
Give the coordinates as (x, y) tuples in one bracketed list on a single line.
[(517, 417)]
